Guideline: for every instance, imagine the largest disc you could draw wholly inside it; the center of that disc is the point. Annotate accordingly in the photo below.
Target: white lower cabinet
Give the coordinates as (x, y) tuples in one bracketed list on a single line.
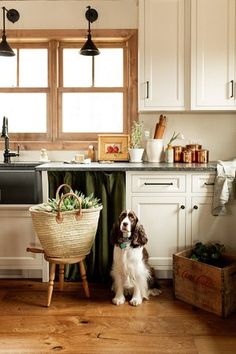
[(16, 234), (164, 222), (175, 210)]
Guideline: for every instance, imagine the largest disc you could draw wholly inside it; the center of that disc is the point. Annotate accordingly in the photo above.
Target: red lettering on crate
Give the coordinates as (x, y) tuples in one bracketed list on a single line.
[(203, 280)]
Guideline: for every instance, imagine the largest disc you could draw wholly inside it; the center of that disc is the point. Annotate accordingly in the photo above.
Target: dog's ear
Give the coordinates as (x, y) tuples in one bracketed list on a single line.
[(134, 220), (139, 237), (115, 233)]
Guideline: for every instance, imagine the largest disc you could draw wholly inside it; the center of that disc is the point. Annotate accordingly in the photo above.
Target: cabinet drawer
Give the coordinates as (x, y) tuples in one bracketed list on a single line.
[(203, 183), (158, 183)]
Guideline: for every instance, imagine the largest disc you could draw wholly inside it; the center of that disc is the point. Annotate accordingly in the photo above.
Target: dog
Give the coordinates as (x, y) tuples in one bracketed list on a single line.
[(130, 270)]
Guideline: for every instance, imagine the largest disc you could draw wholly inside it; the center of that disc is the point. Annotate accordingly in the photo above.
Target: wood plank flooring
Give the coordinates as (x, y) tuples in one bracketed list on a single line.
[(74, 324)]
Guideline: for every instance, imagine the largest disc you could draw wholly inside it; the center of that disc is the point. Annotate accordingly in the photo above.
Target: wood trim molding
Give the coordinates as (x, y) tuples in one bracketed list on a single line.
[(54, 139), (69, 35)]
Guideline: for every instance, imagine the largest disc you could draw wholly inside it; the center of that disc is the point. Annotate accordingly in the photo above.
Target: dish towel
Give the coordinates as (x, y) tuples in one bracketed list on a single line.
[(224, 187)]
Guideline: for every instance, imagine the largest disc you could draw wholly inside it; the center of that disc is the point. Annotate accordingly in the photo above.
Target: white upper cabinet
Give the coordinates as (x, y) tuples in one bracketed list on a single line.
[(213, 55), (161, 57)]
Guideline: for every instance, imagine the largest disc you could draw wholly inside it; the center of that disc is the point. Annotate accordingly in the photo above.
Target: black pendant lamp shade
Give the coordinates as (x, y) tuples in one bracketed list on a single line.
[(13, 16), (89, 48)]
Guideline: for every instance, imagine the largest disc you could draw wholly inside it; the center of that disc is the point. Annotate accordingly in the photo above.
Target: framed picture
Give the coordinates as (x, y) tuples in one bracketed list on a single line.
[(113, 147)]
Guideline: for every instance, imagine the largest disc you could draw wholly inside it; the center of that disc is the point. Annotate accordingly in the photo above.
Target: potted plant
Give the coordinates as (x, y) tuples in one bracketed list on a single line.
[(136, 149), (66, 225)]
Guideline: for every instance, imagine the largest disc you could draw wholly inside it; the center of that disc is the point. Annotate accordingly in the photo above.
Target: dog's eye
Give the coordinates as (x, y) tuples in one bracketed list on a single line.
[(131, 216), (122, 216)]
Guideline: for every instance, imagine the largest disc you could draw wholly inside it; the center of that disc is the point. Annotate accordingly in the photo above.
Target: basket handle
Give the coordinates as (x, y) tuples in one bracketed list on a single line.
[(60, 187), (78, 214)]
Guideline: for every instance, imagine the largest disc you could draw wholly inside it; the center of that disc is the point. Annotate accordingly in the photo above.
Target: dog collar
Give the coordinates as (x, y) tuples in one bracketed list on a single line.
[(123, 242)]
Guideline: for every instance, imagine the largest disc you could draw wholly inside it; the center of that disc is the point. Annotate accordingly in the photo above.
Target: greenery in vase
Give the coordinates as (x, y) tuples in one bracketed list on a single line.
[(174, 137), (71, 203), (136, 135)]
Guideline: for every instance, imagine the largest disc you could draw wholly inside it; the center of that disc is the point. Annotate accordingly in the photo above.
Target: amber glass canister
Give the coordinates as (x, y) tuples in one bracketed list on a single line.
[(194, 148), (202, 156), (187, 156), (178, 153)]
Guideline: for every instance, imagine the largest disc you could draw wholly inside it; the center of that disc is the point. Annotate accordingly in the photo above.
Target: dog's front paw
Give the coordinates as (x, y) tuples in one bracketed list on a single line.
[(135, 301), (118, 300)]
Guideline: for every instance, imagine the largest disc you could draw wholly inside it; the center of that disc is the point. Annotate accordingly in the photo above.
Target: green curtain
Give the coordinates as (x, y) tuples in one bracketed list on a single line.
[(109, 187)]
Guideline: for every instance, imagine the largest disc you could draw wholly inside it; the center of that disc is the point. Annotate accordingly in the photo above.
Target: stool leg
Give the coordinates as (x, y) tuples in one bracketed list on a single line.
[(84, 278), (61, 276), (51, 283)]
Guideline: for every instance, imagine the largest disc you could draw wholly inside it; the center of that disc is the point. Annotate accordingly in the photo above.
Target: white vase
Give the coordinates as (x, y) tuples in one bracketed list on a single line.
[(135, 155), (169, 154)]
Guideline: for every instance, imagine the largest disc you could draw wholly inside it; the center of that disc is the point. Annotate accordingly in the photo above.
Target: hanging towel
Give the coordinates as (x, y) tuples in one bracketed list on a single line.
[(224, 187)]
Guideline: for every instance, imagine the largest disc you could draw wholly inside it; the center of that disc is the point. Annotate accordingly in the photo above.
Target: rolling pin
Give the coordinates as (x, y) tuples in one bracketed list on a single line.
[(160, 127)]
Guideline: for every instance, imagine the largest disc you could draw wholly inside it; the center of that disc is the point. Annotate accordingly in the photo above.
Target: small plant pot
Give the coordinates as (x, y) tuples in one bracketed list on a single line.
[(136, 155)]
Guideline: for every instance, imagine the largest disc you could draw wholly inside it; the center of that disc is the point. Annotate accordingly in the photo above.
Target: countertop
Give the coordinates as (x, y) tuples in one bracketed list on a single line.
[(19, 165), (127, 166)]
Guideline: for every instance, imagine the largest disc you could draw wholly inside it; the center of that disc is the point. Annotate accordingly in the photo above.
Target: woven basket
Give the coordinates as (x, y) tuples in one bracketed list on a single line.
[(66, 234)]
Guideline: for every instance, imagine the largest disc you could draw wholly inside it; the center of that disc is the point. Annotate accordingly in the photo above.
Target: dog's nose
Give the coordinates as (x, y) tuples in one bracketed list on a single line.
[(125, 224)]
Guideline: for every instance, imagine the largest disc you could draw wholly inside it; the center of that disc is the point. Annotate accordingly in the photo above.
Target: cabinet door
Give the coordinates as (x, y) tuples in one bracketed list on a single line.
[(161, 43), (164, 222), (213, 54), (206, 227), (16, 234)]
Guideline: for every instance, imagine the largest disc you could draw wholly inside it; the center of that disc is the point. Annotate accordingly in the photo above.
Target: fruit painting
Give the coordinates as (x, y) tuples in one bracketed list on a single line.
[(113, 147)]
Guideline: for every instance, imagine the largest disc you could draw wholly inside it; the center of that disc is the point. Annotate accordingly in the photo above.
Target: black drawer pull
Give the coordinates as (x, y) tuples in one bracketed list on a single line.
[(232, 89), (182, 207), (195, 207), (147, 83), (158, 184), (209, 184)]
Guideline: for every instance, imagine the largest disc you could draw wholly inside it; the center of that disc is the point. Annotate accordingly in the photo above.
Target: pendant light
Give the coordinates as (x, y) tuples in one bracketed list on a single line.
[(13, 16), (89, 48)]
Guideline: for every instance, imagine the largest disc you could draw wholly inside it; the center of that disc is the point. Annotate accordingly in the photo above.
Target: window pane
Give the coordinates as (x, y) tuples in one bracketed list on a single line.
[(26, 112), (92, 112), (109, 68), (8, 71), (33, 68), (77, 69)]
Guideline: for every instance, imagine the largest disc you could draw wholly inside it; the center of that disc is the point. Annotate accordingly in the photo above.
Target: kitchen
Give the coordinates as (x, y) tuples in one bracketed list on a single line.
[(214, 128)]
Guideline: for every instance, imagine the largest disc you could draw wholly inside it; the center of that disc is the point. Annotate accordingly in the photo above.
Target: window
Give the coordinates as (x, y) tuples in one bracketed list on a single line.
[(92, 91), (53, 95), (24, 89)]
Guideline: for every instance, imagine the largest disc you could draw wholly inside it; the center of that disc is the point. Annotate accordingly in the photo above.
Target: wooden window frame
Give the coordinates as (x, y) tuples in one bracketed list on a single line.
[(54, 40)]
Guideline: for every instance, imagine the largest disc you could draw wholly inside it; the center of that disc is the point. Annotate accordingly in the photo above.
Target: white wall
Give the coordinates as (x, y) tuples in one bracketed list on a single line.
[(70, 14), (216, 131)]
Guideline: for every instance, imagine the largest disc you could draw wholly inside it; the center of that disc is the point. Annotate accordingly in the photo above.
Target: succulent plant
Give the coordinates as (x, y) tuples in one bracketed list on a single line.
[(71, 203)]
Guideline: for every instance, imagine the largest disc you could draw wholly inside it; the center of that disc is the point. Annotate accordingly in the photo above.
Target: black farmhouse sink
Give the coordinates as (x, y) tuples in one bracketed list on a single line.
[(20, 183)]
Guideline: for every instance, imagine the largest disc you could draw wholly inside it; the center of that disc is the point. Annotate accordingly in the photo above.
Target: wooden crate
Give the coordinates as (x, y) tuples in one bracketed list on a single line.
[(205, 286)]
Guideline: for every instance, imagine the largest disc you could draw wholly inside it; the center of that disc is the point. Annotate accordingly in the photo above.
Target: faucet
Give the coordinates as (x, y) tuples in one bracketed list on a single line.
[(7, 154)]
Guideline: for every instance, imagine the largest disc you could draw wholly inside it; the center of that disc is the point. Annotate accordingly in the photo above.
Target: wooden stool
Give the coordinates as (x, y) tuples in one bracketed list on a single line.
[(61, 262), (53, 261)]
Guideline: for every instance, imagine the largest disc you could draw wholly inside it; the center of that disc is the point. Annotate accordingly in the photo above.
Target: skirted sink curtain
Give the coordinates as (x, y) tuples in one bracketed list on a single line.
[(109, 187)]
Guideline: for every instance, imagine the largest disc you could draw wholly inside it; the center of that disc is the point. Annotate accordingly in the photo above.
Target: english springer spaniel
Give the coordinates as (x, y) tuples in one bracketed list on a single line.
[(131, 272)]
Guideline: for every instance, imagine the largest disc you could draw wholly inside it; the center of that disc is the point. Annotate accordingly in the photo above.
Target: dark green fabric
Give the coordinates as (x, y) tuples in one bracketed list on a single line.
[(109, 187)]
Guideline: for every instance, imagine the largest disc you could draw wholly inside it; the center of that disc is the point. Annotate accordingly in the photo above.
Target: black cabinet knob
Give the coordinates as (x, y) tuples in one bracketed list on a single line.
[(182, 207), (195, 207)]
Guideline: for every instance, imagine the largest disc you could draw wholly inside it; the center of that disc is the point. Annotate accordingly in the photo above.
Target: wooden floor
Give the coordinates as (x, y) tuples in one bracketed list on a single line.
[(74, 324)]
